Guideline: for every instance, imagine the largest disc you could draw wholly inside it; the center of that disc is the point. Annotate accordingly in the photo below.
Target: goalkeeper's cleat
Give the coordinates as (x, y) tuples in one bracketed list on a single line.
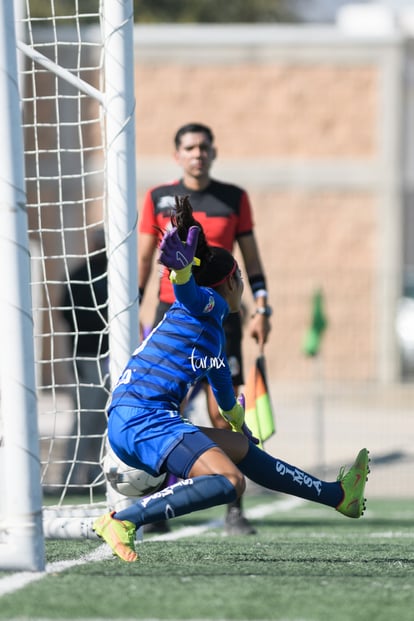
[(119, 535), (353, 485)]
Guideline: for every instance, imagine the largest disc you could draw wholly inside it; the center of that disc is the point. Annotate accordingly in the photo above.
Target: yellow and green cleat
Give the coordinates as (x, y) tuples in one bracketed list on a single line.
[(119, 535), (353, 484)]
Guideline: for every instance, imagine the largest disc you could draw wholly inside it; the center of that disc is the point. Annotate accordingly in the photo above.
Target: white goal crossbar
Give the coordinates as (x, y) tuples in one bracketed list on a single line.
[(23, 521)]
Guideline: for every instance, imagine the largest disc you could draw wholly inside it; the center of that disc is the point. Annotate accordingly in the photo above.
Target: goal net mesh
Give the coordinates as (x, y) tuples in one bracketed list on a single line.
[(65, 165)]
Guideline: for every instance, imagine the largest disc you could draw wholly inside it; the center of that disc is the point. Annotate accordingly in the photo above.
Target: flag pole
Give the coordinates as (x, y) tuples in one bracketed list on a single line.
[(312, 348), (320, 441)]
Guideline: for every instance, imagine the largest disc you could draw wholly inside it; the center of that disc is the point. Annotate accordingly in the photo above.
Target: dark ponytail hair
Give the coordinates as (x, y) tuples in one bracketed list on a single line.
[(216, 264)]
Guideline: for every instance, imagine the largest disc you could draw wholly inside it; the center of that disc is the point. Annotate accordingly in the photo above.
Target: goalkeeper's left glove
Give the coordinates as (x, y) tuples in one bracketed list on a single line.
[(235, 418)]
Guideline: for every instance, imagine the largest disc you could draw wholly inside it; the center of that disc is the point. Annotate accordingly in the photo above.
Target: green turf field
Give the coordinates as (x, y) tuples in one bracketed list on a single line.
[(307, 563)]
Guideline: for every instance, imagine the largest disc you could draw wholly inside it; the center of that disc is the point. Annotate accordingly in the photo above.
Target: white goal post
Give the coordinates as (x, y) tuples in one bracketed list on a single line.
[(67, 179), (21, 543)]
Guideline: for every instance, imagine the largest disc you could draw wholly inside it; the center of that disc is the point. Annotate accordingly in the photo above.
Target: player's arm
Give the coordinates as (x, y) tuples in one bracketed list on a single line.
[(148, 239), (147, 245), (232, 409), (260, 324)]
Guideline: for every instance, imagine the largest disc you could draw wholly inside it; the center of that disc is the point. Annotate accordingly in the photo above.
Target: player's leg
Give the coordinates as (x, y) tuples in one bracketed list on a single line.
[(209, 476), (346, 494), (214, 479), (236, 522), (162, 526)]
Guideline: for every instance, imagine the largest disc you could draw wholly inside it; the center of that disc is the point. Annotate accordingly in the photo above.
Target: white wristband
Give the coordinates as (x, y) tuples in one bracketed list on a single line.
[(261, 293)]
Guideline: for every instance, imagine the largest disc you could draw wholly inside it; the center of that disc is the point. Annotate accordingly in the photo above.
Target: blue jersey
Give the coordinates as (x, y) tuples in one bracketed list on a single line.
[(145, 424), (186, 346)]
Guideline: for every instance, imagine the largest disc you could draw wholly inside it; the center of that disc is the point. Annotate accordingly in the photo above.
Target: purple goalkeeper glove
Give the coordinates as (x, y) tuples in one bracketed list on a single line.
[(175, 254)]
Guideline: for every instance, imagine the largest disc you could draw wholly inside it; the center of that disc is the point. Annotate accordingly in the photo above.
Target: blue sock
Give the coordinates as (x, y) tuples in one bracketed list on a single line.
[(277, 475), (183, 497)]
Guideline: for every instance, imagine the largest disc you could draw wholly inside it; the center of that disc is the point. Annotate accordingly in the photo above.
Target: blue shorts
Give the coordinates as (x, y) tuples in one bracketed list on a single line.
[(147, 439)]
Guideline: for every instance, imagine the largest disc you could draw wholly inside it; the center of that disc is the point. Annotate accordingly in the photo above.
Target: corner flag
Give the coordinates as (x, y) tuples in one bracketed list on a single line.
[(259, 414), (313, 337)]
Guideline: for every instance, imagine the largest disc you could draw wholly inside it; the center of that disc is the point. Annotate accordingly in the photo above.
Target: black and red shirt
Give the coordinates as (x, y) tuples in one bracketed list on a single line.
[(222, 209)]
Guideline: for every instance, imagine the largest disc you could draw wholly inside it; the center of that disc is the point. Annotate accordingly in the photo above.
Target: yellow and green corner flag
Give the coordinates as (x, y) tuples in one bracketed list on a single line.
[(259, 413), (313, 337)]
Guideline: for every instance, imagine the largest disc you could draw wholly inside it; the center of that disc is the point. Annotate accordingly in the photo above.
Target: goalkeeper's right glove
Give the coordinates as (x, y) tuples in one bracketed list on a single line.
[(177, 256)]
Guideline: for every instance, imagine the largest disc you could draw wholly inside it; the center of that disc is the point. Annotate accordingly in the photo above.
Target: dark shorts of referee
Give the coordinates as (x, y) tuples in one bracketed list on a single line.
[(233, 330)]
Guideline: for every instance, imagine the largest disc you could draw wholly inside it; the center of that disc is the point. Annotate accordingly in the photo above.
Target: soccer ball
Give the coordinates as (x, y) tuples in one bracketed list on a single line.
[(130, 481)]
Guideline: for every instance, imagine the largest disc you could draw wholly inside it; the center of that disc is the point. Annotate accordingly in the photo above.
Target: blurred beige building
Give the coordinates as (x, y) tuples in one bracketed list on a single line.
[(315, 122), (312, 122)]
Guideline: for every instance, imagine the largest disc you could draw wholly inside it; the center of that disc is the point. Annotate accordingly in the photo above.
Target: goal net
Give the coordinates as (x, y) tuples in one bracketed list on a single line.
[(75, 79)]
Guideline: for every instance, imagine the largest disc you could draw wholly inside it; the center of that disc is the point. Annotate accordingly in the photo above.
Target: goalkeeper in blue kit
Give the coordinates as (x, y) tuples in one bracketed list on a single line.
[(145, 428)]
